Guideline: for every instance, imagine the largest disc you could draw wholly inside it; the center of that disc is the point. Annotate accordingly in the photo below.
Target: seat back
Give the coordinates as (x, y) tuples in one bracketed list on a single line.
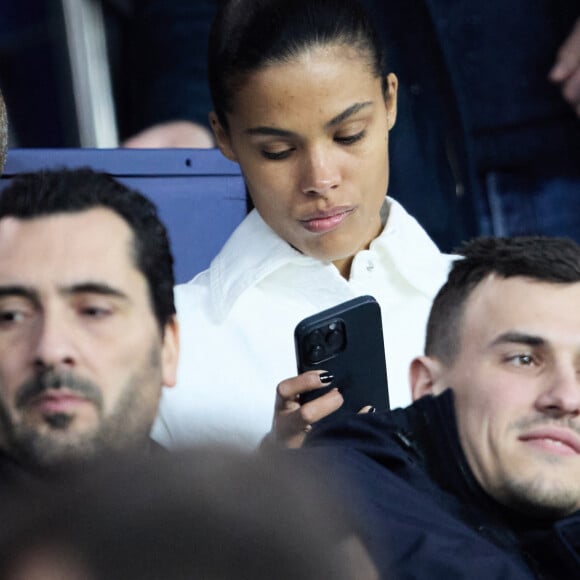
[(199, 193)]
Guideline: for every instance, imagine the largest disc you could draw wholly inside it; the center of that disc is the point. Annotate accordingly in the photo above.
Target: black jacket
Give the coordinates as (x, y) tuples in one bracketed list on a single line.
[(421, 512)]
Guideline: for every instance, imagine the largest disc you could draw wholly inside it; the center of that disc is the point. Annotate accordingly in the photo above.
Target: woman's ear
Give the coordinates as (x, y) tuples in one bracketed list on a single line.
[(392, 83), (222, 137), (424, 376)]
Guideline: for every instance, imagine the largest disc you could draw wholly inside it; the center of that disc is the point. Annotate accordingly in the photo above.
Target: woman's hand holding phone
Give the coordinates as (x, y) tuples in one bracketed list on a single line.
[(292, 421), (342, 344)]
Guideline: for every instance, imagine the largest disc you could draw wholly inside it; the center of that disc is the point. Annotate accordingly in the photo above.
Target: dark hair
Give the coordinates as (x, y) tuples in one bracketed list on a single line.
[(202, 513), (46, 193), (554, 260), (248, 35), (3, 132)]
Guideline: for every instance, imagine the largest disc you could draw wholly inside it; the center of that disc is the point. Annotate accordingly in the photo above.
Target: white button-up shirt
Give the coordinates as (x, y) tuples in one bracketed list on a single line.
[(237, 323)]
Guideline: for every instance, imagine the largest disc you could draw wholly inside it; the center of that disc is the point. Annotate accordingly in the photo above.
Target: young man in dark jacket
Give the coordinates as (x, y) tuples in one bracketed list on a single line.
[(480, 477)]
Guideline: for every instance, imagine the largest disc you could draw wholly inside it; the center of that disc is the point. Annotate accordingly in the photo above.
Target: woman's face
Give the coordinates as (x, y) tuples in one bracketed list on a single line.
[(311, 138)]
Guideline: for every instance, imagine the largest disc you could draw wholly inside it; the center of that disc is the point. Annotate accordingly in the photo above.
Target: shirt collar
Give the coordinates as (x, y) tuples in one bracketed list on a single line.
[(253, 252), (411, 251), (402, 242)]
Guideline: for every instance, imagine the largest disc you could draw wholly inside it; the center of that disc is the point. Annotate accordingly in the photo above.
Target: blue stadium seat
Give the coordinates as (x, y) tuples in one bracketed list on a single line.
[(200, 194)]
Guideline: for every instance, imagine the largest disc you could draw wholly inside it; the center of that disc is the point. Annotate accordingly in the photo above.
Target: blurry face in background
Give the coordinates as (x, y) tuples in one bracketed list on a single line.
[(311, 138), (82, 361)]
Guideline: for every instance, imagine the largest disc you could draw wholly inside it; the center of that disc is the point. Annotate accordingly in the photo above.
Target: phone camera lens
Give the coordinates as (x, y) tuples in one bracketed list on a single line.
[(334, 339), (316, 353), (314, 339)]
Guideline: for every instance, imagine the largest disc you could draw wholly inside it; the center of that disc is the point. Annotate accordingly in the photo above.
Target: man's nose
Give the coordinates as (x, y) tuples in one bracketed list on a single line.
[(562, 392), (55, 342), (321, 173)]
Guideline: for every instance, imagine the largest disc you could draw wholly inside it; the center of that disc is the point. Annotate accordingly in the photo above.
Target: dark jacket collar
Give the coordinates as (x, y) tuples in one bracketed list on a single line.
[(546, 545)]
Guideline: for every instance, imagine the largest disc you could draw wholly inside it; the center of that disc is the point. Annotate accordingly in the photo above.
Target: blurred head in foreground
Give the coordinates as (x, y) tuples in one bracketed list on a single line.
[(210, 513)]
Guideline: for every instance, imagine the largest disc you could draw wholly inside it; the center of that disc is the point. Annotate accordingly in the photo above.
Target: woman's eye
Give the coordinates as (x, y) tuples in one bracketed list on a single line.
[(350, 139), (276, 155)]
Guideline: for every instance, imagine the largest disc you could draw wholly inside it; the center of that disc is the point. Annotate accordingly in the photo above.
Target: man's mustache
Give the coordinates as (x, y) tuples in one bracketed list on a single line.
[(525, 424), (54, 380)]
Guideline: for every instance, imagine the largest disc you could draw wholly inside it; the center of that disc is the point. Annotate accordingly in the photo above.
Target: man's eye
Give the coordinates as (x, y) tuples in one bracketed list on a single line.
[(522, 360), (11, 316), (95, 312)]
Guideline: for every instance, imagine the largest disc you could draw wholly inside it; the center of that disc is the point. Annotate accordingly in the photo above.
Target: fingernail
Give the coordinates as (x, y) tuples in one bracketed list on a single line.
[(326, 378)]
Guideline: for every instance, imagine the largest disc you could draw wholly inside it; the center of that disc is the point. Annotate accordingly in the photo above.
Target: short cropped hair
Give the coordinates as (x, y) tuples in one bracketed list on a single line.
[(554, 260), (45, 193), (3, 132)]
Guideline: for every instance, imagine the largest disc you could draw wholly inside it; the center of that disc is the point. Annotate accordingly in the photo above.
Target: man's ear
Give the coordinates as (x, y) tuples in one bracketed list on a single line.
[(221, 137), (424, 376), (170, 352)]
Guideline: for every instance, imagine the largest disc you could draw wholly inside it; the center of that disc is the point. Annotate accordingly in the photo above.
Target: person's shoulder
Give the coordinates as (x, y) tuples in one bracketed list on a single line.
[(379, 436), (398, 505), (252, 254), (412, 252), (192, 298)]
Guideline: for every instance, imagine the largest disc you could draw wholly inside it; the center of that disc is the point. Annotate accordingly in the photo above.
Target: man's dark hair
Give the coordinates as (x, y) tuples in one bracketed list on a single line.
[(3, 132), (554, 260), (44, 193)]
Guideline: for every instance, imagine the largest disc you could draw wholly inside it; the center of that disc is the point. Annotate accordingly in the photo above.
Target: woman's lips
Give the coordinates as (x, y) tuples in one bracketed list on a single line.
[(324, 221)]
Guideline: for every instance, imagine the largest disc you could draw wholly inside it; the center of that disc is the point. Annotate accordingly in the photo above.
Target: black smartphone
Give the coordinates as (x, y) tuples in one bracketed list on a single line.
[(346, 341)]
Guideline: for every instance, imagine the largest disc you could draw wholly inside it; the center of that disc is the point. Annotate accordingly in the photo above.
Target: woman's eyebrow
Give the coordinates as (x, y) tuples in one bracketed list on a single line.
[(347, 113), (269, 131), (275, 132)]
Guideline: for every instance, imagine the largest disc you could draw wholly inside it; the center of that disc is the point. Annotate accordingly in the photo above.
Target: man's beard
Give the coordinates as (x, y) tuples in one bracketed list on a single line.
[(541, 500), (54, 441), (541, 496)]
